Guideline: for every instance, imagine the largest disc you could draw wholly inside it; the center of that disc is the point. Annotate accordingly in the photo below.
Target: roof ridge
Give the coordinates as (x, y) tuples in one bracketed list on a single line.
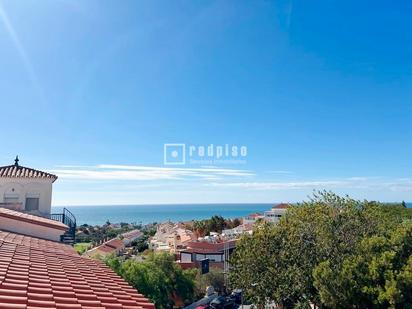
[(19, 171)]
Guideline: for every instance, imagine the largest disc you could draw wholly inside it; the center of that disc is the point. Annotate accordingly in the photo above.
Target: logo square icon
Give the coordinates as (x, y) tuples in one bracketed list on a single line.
[(174, 154)]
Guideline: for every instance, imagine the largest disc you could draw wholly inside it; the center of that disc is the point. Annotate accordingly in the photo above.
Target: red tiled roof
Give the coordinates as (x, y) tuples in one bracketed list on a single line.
[(34, 275), (17, 171), (206, 247), (282, 206), (114, 243), (108, 247), (20, 216), (255, 215), (132, 234), (37, 243)]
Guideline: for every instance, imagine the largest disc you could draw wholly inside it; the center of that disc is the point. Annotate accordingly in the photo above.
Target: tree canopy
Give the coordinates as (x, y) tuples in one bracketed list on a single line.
[(304, 259), (159, 278)]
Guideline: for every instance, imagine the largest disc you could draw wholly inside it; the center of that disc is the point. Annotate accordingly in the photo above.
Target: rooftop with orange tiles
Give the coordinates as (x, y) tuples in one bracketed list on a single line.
[(18, 171), (37, 273)]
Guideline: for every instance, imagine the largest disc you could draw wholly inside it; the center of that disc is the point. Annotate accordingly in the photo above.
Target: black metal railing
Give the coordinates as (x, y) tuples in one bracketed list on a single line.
[(67, 218)]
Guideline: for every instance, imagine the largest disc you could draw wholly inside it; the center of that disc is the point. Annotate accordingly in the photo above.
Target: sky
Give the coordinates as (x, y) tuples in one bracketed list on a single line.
[(317, 95)]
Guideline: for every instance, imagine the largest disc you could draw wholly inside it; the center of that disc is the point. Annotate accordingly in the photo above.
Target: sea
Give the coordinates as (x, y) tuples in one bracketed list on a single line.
[(145, 214)]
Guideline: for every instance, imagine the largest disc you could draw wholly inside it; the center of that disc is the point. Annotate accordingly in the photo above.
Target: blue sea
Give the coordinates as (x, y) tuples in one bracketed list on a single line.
[(97, 215)]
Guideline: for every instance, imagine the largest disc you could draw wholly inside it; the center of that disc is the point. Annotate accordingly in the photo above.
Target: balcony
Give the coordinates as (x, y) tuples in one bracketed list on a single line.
[(70, 220)]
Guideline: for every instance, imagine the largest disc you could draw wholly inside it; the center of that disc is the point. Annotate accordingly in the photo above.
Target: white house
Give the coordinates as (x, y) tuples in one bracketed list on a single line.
[(26, 189), (252, 218), (277, 212)]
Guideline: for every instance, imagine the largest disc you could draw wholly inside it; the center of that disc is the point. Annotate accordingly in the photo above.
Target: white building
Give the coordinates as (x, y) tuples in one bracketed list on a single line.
[(238, 231), (26, 189), (170, 237), (252, 218), (277, 212)]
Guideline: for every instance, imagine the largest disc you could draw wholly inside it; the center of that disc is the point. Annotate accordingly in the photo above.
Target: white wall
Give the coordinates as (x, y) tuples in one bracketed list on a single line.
[(274, 215), (28, 187), (185, 257), (30, 229)]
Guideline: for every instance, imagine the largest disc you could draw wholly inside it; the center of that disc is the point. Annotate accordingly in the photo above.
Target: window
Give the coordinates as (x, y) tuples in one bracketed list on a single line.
[(32, 203), (11, 200)]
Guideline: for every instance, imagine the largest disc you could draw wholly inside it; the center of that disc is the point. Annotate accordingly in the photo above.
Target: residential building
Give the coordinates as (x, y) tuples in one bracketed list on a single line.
[(179, 238), (277, 212), (113, 246), (26, 189), (252, 218), (171, 237), (131, 236), (238, 231), (199, 250)]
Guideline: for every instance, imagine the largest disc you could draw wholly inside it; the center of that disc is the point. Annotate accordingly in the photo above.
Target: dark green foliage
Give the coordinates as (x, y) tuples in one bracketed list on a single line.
[(96, 234), (141, 244), (317, 240), (159, 278), (214, 224), (213, 278), (378, 275)]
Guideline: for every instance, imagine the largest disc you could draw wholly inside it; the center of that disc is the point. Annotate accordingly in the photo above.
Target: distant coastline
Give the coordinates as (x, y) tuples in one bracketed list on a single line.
[(97, 215), (149, 213)]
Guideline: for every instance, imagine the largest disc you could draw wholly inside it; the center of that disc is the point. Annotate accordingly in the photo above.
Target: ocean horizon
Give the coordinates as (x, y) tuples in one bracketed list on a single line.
[(99, 214), (149, 213)]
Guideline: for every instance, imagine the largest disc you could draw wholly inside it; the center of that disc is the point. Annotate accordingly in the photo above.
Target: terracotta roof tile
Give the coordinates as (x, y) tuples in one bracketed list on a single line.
[(45, 274), (281, 206), (18, 171), (33, 242)]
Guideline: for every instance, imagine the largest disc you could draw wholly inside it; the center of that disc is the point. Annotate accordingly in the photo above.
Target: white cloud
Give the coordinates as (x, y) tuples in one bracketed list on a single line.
[(364, 183), (282, 185), (141, 173)]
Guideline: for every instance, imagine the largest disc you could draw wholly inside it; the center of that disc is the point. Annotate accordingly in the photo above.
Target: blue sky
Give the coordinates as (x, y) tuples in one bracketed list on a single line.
[(319, 93)]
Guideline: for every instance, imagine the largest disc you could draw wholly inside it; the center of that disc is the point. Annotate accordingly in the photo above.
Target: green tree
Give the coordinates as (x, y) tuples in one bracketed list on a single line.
[(158, 277), (379, 275), (276, 263), (141, 244), (214, 278)]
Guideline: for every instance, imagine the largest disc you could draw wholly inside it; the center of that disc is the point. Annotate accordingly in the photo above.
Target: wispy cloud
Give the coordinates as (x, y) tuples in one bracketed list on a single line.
[(281, 185), (367, 183), (141, 173)]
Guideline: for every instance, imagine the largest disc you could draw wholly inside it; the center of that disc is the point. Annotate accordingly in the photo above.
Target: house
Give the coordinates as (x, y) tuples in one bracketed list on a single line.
[(26, 189), (114, 246), (252, 218), (131, 236), (237, 231), (197, 251), (179, 238), (171, 237), (277, 212)]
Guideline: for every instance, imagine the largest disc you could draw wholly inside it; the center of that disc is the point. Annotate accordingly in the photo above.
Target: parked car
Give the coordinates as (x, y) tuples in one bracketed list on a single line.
[(236, 296), (222, 302)]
